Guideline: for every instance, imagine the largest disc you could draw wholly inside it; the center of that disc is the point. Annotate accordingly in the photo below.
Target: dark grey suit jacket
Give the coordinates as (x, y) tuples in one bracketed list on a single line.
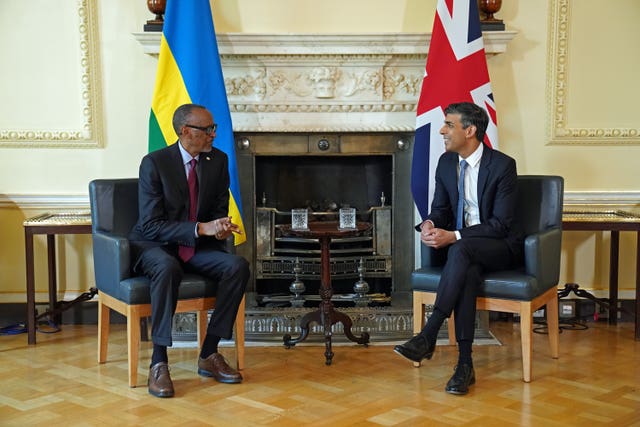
[(497, 195), (163, 200)]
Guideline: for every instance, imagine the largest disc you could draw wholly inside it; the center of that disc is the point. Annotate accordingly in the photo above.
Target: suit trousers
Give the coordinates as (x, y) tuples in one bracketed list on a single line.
[(165, 271), (467, 260)]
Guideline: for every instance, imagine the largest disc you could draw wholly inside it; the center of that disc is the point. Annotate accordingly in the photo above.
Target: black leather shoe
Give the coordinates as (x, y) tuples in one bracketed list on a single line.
[(416, 349), (463, 377)]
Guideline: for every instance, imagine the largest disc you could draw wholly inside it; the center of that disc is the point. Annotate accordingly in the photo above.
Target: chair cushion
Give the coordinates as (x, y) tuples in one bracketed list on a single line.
[(135, 290), (508, 284)]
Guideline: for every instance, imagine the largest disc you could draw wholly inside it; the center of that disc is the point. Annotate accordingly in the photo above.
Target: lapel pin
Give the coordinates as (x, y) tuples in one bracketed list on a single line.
[(208, 158)]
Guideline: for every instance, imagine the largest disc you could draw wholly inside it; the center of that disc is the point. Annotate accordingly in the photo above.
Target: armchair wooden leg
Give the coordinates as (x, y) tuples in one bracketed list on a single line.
[(133, 342), (201, 327), (418, 316), (103, 331), (418, 312), (552, 325), (526, 335), (239, 332)]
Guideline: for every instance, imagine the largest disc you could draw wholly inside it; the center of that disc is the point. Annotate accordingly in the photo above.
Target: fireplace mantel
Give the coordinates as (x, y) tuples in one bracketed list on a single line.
[(324, 82), (297, 44)]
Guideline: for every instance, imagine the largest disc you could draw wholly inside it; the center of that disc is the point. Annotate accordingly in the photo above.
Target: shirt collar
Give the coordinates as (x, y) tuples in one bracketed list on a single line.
[(186, 157), (474, 159)]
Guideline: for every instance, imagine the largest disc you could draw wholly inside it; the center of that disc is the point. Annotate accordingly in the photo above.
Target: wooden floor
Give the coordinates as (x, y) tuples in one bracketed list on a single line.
[(596, 382)]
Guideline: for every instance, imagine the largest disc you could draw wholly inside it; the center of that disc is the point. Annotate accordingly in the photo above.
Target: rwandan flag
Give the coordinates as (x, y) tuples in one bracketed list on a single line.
[(189, 71)]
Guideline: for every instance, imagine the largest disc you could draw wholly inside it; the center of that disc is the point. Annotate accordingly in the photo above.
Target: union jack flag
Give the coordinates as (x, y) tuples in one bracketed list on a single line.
[(456, 71)]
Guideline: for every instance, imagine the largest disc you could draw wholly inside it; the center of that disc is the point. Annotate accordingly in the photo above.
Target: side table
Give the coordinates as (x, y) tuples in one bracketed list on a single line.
[(326, 315), (614, 221), (49, 224)]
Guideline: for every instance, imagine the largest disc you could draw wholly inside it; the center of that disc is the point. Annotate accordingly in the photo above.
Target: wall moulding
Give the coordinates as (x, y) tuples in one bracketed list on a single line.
[(90, 133), (324, 82), (560, 130), (81, 202), (44, 201)]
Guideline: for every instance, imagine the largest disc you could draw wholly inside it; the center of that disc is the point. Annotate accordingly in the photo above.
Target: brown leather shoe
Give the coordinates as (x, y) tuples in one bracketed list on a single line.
[(215, 366), (160, 384)]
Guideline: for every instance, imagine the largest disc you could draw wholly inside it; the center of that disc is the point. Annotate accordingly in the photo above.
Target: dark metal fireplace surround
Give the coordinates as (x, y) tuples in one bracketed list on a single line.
[(323, 172)]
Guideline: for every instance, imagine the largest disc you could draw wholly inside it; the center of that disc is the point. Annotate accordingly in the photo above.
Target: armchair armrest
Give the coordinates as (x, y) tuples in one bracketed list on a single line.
[(542, 256), (229, 245), (431, 257), (111, 258)]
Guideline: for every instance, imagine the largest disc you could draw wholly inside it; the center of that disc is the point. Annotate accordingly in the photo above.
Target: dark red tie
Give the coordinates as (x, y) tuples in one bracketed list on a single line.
[(186, 252)]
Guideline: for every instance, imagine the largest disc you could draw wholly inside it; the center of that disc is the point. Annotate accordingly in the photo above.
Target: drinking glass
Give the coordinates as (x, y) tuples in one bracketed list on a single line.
[(299, 219), (347, 218)]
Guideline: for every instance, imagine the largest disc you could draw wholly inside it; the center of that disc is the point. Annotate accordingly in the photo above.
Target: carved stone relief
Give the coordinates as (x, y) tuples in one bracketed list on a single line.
[(325, 82)]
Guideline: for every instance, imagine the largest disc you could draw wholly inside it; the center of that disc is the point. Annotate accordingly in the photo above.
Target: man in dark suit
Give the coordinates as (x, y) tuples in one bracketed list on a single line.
[(183, 196), (472, 219)]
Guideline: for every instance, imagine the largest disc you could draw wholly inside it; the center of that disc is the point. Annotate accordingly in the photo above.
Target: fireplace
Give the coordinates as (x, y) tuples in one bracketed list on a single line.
[(323, 172), (331, 116)]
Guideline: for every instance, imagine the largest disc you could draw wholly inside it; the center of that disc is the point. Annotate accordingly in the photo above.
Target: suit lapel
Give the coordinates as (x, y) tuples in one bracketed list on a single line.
[(204, 171), (211, 166), (451, 177), (483, 173), (178, 174)]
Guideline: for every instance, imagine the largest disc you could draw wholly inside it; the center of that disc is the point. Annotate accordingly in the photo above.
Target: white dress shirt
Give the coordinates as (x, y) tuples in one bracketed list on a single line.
[(471, 207), (186, 159)]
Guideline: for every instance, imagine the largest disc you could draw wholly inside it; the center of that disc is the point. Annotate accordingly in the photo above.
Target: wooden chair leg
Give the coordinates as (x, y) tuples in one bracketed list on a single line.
[(201, 327), (239, 332), (552, 325), (144, 329), (133, 343), (103, 331), (526, 335), (418, 312), (418, 316)]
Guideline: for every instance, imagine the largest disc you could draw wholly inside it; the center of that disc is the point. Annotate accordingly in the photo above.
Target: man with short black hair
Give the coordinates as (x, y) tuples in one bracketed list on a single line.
[(472, 219)]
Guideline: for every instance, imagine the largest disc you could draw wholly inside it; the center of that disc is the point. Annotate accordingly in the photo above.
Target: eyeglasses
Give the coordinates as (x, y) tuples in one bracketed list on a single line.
[(205, 129)]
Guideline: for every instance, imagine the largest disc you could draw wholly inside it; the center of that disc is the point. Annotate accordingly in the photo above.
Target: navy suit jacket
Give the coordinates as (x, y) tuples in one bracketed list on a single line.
[(497, 196), (163, 200)]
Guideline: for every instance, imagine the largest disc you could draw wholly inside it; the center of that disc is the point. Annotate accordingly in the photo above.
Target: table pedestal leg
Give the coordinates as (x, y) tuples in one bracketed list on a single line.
[(326, 315), (327, 321), (314, 316)]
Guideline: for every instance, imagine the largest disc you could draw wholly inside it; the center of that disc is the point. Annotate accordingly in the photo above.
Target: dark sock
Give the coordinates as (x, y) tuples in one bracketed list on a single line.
[(464, 356), (209, 346), (430, 330), (159, 354)]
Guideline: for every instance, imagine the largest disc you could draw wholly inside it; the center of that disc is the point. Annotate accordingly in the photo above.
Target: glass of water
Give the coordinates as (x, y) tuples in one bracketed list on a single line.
[(347, 218), (299, 219)]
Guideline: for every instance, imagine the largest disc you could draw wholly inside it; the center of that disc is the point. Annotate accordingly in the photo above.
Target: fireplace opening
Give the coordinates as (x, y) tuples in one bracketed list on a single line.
[(324, 183)]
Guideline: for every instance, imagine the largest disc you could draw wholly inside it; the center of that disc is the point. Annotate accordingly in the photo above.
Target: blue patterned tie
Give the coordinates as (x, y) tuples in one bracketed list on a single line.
[(460, 211)]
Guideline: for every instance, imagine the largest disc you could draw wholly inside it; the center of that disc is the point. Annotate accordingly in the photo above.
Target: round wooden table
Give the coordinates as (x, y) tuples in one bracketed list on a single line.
[(326, 315)]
